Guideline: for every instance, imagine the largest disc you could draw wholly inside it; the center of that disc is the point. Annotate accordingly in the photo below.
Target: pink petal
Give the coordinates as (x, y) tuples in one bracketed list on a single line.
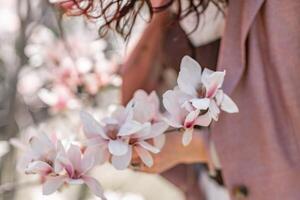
[(159, 141), (214, 110), (189, 76), (213, 83), (148, 147), (204, 120), (201, 104), (145, 156), (64, 161), (92, 156), (74, 155), (157, 129), (52, 184), (94, 186), (129, 128), (219, 97), (122, 162), (90, 126), (40, 145), (117, 147), (170, 102), (187, 136), (190, 118), (142, 111), (206, 73), (74, 181), (38, 167), (154, 99), (228, 105)]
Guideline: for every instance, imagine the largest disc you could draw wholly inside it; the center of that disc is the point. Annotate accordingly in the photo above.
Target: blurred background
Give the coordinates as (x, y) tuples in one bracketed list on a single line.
[(51, 66)]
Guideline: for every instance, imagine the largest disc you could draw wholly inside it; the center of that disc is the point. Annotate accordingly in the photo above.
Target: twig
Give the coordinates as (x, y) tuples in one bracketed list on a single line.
[(173, 130)]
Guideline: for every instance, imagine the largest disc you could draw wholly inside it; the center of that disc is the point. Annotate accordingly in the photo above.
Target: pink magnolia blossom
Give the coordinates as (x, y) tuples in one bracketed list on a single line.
[(204, 89), (198, 99), (75, 166), (128, 130), (146, 108), (178, 116), (39, 154)]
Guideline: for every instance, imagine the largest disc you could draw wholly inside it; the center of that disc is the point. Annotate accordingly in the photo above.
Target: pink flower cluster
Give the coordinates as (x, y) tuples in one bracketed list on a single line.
[(75, 69), (137, 129), (47, 156)]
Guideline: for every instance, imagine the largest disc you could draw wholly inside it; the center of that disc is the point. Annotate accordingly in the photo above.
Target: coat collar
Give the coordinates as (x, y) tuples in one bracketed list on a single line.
[(241, 16)]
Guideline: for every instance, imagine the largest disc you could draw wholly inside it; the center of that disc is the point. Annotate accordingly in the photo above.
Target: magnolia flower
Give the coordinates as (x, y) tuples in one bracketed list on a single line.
[(197, 99), (146, 108), (128, 130), (179, 117), (204, 89), (76, 165), (112, 135), (39, 157)]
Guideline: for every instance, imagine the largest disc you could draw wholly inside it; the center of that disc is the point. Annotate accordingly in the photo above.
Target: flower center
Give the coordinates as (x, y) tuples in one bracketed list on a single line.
[(132, 141), (112, 131), (201, 91)]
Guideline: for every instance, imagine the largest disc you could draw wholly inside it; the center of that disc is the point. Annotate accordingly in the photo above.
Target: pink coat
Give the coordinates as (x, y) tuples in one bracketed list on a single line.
[(259, 147)]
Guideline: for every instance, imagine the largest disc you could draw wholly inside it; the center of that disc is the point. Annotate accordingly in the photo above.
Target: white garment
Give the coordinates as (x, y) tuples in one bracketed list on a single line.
[(211, 189), (210, 28)]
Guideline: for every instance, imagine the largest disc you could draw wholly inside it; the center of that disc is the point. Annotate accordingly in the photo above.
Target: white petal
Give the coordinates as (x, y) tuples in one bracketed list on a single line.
[(122, 114), (201, 104), (129, 128), (189, 76), (90, 126), (157, 129), (145, 156), (140, 94), (117, 147), (52, 184), (187, 136), (206, 73), (154, 99), (92, 155), (214, 110), (204, 120), (38, 167), (142, 111), (228, 105), (219, 97), (75, 181), (148, 147), (36, 146), (213, 83), (190, 118), (171, 103), (159, 141), (74, 155), (122, 162), (94, 186), (64, 161)]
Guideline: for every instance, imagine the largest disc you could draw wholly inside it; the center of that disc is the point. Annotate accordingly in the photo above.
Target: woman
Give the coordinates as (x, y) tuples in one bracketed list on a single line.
[(258, 148)]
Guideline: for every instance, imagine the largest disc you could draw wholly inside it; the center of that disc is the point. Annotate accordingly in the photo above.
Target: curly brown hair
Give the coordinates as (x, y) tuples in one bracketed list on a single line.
[(120, 15)]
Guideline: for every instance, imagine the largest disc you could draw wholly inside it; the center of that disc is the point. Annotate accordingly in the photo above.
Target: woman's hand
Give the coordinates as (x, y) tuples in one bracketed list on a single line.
[(174, 153)]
